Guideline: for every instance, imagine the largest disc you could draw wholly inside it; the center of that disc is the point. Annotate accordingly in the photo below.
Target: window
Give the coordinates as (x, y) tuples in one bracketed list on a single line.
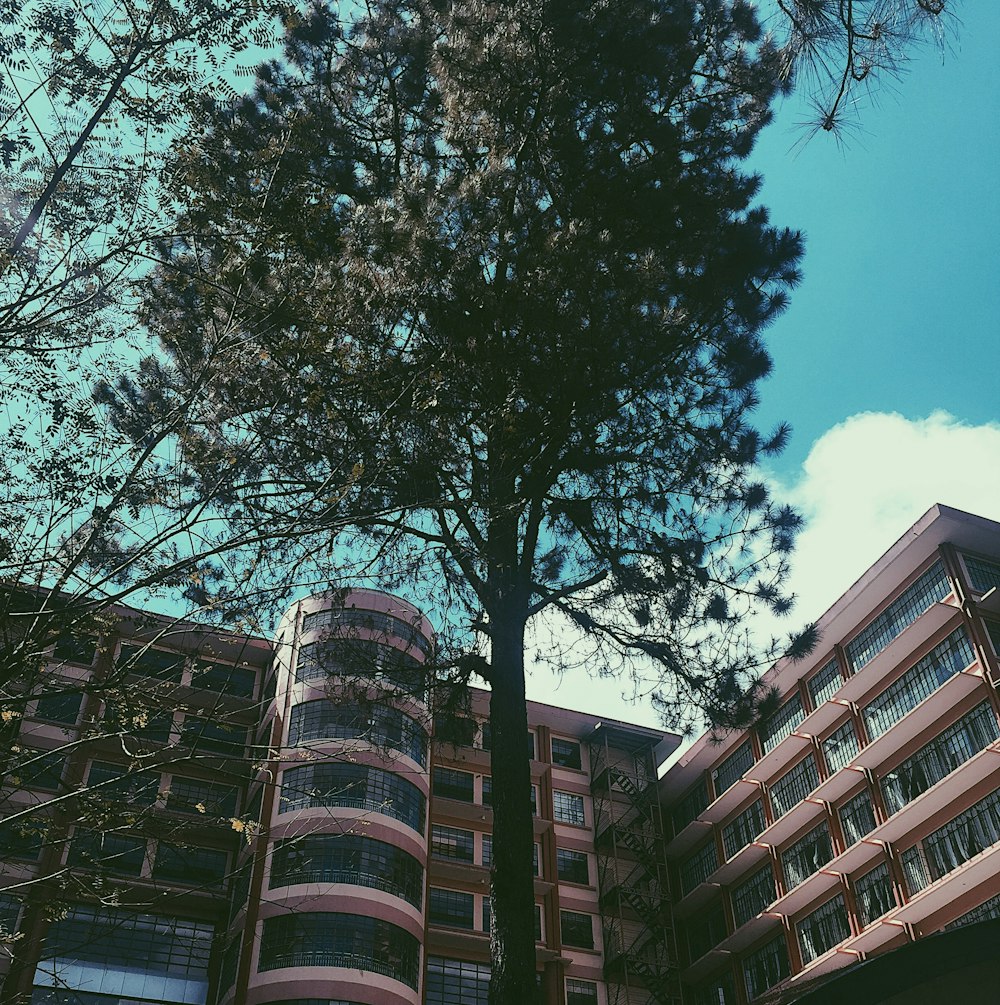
[(568, 808), (857, 818), (379, 725), (352, 941), (706, 931), (986, 911), (224, 678), (690, 806), (116, 783), (140, 721), (774, 729), (447, 783), (840, 747), (825, 928), (930, 588), (352, 859), (192, 795), (794, 786), (577, 930), (572, 866), (919, 682), (721, 990), (75, 649), (116, 952), (807, 855), (211, 736), (120, 854), (62, 707), (984, 576), (355, 786), (929, 765), (580, 992), (458, 730), (874, 895), (740, 832), (698, 867), (450, 842), (825, 683), (733, 768), (566, 753), (36, 769), (343, 620), (149, 662), (23, 840), (766, 967), (456, 982), (451, 908), (954, 844), (10, 909), (204, 867), (753, 895)]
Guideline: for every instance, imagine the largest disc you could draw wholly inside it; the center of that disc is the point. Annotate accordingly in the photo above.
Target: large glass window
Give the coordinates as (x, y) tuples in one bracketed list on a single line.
[(117, 783), (706, 931), (126, 955), (775, 728), (986, 911), (357, 786), (488, 794), (150, 662), (766, 967), (352, 859), (214, 736), (806, 856), (946, 752), (453, 843), (566, 753), (456, 982), (740, 832), (119, 854), (448, 783), (874, 895), (76, 649), (840, 747), (572, 866), (577, 929), (698, 867), (568, 808), (825, 683), (224, 678), (380, 725), (732, 769), (60, 706), (984, 576), (825, 928), (341, 621), (931, 587), (857, 817), (36, 769), (919, 682), (690, 806), (194, 795), (451, 908), (753, 895), (352, 941), (950, 846), (202, 867), (794, 786), (580, 992)]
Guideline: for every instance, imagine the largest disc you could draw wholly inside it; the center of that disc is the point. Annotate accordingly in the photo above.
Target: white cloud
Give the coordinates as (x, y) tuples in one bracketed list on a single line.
[(863, 484), (868, 479)]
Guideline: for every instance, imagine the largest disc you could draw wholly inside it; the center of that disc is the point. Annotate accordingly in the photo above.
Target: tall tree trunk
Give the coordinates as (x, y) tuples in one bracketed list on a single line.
[(512, 897)]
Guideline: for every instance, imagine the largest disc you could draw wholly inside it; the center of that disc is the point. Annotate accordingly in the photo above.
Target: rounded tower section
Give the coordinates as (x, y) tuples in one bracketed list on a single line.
[(341, 902)]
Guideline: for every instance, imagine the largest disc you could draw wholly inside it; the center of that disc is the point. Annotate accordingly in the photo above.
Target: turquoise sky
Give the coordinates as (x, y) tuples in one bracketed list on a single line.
[(899, 307)]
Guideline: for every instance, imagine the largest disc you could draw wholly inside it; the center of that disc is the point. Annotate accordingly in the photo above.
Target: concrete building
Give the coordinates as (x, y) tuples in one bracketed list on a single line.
[(288, 822), (865, 812)]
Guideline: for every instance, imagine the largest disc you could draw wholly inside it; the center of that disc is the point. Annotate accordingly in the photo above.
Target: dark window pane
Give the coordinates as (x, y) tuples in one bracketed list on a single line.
[(572, 866), (566, 753), (451, 908), (577, 929), (61, 707), (451, 784)]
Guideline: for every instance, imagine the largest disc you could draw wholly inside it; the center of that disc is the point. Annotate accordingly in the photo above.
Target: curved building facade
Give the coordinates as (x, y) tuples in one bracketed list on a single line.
[(338, 904)]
